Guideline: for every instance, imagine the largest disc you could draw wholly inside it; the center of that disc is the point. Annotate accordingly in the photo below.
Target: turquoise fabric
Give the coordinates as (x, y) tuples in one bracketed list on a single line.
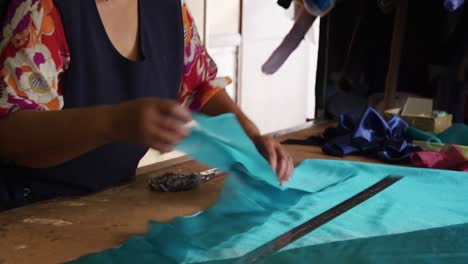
[(253, 209), (417, 134), (221, 142), (456, 134), (438, 245)]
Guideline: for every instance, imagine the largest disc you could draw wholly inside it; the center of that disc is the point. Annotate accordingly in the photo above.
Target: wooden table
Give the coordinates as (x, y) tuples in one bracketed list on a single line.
[(65, 229)]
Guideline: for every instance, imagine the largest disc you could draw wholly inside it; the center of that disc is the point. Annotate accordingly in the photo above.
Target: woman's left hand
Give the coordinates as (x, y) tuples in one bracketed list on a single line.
[(280, 159)]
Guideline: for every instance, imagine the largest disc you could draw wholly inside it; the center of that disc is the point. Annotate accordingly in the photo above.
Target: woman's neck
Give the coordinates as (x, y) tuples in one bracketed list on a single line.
[(121, 22)]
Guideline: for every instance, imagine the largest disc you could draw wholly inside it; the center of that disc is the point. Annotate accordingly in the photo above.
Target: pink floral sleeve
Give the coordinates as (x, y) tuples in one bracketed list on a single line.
[(33, 56), (199, 82)]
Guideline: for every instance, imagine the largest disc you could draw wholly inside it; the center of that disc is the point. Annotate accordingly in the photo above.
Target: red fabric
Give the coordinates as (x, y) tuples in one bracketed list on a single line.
[(450, 158)]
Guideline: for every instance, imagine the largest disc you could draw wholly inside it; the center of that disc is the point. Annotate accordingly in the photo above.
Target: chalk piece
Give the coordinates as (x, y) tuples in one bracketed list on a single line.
[(47, 221), (20, 247)]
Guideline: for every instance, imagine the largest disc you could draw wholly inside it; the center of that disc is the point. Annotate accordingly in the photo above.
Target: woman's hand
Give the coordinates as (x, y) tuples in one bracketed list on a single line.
[(154, 123), (280, 159)]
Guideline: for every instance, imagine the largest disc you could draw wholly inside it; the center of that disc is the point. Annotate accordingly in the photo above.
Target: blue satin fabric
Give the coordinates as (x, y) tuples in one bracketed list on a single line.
[(371, 136), (252, 210)]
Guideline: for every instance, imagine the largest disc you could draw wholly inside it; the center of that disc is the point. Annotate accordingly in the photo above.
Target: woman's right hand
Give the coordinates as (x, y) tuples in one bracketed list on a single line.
[(155, 123)]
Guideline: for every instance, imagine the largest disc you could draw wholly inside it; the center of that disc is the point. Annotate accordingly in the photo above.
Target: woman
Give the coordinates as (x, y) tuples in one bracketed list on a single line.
[(123, 74)]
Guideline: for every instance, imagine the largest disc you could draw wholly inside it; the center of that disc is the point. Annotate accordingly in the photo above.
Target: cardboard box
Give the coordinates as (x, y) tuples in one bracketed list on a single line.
[(418, 113)]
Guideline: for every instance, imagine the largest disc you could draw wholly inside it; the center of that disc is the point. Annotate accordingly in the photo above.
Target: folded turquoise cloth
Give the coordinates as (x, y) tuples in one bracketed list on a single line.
[(253, 209), (456, 134)]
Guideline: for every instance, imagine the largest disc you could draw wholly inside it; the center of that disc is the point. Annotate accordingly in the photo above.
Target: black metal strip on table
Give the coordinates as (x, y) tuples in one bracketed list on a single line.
[(294, 234)]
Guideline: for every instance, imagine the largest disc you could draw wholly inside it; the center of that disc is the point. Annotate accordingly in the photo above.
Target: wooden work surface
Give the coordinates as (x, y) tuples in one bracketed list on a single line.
[(63, 230)]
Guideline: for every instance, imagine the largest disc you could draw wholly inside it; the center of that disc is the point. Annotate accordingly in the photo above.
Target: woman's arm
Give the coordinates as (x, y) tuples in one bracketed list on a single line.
[(48, 138), (43, 139), (280, 160)]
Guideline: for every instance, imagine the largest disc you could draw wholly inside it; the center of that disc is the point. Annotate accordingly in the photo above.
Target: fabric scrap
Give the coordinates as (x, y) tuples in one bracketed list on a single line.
[(222, 143), (431, 146), (371, 136), (174, 182), (413, 133), (456, 135), (450, 158)]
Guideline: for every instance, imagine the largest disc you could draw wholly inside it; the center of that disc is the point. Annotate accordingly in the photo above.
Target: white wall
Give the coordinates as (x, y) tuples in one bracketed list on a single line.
[(197, 8), (287, 98), (226, 60)]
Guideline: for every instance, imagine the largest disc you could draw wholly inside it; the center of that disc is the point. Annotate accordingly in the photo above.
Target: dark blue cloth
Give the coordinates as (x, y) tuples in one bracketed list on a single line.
[(370, 136), (99, 75)]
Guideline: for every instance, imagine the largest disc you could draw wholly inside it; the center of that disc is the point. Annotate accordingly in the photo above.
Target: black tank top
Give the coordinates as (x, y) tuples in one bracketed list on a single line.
[(99, 74)]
